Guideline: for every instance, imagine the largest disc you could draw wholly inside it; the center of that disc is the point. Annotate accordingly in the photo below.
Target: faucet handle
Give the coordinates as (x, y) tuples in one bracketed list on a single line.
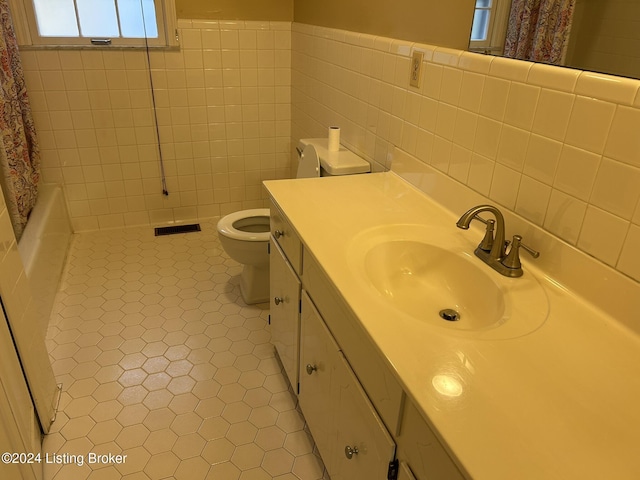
[(529, 250), (512, 260)]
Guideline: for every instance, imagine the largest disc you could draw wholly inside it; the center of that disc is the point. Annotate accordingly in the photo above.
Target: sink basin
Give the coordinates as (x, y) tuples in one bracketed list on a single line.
[(422, 280), (433, 277)]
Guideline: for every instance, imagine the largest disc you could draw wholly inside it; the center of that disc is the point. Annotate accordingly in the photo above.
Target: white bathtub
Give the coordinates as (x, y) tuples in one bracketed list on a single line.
[(44, 246)]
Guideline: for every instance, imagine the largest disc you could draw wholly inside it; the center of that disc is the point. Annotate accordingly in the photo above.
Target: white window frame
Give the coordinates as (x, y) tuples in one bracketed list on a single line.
[(25, 25), (498, 21)]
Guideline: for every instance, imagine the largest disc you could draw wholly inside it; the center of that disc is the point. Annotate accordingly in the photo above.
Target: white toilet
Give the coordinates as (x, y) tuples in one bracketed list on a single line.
[(244, 235)]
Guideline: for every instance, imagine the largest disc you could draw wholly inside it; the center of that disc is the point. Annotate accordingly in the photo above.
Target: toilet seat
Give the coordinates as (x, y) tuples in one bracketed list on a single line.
[(230, 225)]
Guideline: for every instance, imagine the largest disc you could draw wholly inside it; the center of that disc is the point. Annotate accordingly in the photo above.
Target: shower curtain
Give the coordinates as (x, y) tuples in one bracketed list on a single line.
[(19, 152), (539, 30)]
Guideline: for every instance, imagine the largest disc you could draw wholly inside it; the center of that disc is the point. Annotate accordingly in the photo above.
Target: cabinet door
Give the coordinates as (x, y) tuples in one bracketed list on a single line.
[(363, 448), (373, 372), (336, 408), (404, 472), (319, 357), (284, 312), (422, 451)]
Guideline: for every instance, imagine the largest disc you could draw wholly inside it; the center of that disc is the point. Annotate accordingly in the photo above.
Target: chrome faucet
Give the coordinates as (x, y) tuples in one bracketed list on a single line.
[(492, 249)]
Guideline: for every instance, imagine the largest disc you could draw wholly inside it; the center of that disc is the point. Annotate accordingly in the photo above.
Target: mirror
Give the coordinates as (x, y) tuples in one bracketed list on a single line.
[(601, 35)]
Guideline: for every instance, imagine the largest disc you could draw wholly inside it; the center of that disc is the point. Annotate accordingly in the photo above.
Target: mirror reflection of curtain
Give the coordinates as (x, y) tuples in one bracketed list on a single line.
[(539, 30), (19, 152)]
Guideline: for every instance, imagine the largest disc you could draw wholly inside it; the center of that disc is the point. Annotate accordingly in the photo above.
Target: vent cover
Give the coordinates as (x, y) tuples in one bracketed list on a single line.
[(194, 227)]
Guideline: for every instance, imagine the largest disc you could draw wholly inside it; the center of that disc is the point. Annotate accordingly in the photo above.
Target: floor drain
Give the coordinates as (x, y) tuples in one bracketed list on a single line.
[(450, 315)]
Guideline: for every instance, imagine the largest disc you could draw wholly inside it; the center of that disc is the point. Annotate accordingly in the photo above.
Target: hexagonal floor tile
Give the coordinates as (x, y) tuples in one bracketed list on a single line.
[(162, 361)]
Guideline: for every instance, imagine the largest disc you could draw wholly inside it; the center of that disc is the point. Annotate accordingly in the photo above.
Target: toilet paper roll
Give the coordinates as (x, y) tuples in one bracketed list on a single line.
[(334, 139)]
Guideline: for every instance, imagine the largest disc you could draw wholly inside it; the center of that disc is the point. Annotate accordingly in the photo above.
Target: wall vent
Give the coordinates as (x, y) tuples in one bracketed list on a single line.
[(194, 227)]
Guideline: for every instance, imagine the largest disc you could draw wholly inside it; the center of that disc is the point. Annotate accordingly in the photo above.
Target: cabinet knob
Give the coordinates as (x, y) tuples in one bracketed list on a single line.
[(278, 233), (349, 452), (278, 300), (311, 369)]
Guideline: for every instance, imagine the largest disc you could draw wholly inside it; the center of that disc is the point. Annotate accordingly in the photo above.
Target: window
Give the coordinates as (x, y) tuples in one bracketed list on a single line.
[(489, 26), (481, 21), (95, 22)]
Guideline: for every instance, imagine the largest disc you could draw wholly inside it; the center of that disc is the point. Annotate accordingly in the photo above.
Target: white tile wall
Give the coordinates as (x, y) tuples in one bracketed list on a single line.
[(223, 103), (558, 146)]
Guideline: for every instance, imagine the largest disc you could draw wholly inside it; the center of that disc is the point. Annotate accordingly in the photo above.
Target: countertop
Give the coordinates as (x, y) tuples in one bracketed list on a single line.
[(561, 402)]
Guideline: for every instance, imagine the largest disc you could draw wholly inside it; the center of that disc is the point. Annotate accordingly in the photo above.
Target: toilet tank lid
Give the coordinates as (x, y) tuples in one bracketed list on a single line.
[(342, 162)]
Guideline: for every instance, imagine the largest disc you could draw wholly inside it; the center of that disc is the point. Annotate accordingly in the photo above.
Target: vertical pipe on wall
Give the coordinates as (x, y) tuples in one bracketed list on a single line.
[(163, 178)]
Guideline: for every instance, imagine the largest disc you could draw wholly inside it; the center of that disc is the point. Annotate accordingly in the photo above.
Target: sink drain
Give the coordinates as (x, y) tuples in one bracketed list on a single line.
[(450, 315)]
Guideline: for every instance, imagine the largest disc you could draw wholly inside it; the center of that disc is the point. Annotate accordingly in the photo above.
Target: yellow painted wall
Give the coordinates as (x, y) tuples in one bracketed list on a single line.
[(428, 21), (435, 22), (273, 10)]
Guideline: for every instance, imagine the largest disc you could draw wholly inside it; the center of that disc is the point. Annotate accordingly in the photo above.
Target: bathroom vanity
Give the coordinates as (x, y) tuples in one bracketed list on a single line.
[(350, 398), (538, 384)]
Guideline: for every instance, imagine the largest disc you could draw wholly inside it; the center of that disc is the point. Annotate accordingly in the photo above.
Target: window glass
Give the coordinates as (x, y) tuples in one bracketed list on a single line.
[(56, 18), (97, 18), (131, 15), (480, 25)]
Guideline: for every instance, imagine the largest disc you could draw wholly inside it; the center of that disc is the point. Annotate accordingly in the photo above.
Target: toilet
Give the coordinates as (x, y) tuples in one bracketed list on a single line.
[(244, 235)]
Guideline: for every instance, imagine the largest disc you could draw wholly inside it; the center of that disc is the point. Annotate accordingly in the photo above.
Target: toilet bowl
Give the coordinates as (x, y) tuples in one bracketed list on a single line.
[(244, 235)]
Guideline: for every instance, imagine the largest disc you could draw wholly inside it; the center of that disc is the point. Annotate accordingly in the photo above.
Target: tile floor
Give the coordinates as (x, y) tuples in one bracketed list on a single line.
[(161, 360)]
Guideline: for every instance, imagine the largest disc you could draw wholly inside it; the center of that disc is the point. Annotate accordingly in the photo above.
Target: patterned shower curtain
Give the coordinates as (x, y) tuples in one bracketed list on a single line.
[(539, 30), (19, 152)]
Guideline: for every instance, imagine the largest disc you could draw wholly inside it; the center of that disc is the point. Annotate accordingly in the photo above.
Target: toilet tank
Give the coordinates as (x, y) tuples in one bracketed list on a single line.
[(342, 162)]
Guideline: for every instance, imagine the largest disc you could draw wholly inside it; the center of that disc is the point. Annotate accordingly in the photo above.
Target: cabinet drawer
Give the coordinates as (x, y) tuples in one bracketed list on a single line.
[(381, 386), (284, 312), (421, 450), (287, 238)]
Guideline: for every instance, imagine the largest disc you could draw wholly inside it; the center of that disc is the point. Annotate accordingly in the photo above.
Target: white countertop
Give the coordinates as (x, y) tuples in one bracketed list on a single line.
[(562, 402)]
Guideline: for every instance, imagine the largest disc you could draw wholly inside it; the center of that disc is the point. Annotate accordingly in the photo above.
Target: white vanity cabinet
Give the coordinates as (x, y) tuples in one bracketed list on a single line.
[(356, 409), (285, 264), (350, 436)]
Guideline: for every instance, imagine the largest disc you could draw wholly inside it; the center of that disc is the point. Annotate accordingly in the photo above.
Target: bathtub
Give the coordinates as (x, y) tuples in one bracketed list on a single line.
[(44, 246)]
